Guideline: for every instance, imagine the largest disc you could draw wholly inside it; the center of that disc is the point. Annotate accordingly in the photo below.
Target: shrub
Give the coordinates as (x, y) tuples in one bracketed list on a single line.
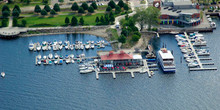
[(94, 5), (135, 38), (91, 9), (85, 6), (122, 39), (43, 12), (75, 7), (108, 8)]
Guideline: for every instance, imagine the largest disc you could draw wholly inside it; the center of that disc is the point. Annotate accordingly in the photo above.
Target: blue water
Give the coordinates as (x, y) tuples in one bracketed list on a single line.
[(61, 87)]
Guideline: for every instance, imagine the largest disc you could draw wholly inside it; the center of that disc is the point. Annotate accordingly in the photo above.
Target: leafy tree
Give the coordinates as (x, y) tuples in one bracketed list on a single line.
[(10, 1), (81, 10), (121, 3), (117, 9), (43, 12), (15, 21), (56, 7), (5, 8), (102, 20), (5, 14), (149, 16), (135, 38), (108, 9), (47, 8), (15, 13), (122, 39), (81, 21), (61, 1), (67, 20), (27, 1), (137, 33), (112, 4), (126, 7), (106, 18), (24, 22), (37, 9), (94, 5), (4, 22), (124, 32), (85, 6), (74, 21), (45, 1), (111, 17), (97, 20), (91, 9), (75, 6), (18, 8), (53, 12)]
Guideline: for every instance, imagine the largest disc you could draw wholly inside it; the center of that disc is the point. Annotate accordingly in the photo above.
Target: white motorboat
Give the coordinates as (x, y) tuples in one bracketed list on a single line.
[(83, 68), (203, 53), (67, 43), (68, 61), (193, 65), (31, 46), (86, 71), (72, 61), (82, 65), (87, 46), (38, 46), (210, 19), (50, 56), (71, 56), (39, 62), (44, 45), (60, 47), (92, 46), (199, 43), (81, 46), (56, 55), (44, 57), (71, 47), (213, 25), (2, 74), (60, 42), (55, 61), (39, 56)]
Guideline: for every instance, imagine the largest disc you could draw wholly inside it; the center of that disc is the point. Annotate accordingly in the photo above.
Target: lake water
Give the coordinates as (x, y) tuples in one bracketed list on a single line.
[(61, 87)]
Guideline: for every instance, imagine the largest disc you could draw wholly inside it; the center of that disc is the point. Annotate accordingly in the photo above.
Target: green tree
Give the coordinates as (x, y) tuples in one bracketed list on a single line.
[(122, 39), (4, 22), (15, 13), (37, 9), (126, 7), (10, 1), (108, 9), (56, 7), (24, 22), (47, 8), (67, 20), (5, 8), (111, 17), (135, 38), (81, 10), (85, 6), (112, 4), (97, 20), (75, 6), (15, 21), (43, 12), (117, 9), (124, 32), (81, 21), (5, 14), (27, 1), (94, 5), (121, 3), (91, 9), (45, 1), (53, 12), (74, 21), (106, 18), (18, 8), (61, 1), (149, 16), (102, 20)]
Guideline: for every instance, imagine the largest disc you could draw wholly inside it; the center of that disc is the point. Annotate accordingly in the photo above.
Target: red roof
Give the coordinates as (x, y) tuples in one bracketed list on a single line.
[(119, 56)]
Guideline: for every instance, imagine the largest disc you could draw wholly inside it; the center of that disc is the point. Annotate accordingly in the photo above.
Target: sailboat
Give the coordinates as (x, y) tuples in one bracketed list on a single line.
[(31, 45)]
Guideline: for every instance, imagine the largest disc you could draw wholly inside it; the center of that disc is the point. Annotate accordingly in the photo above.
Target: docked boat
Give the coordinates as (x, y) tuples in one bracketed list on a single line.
[(55, 61), (71, 47), (71, 56), (31, 46), (44, 57), (39, 62), (193, 65), (38, 46), (60, 42), (66, 43), (2, 74), (56, 55), (213, 25), (86, 71), (44, 45), (39, 56), (60, 62), (166, 60), (50, 56), (50, 62), (87, 46)]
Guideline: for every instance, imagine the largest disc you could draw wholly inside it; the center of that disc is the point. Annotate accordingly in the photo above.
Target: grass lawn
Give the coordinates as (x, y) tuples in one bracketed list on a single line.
[(114, 34), (57, 20)]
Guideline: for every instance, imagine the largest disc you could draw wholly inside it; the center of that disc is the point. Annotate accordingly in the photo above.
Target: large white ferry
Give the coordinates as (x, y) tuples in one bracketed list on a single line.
[(166, 60)]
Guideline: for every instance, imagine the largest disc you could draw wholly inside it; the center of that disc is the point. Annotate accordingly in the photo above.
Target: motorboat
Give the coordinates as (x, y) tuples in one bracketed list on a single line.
[(31, 46), (50, 62), (55, 61), (92, 46), (68, 61), (71, 56), (56, 55), (81, 46), (203, 53), (44, 57), (39, 56), (2, 74), (60, 61), (87, 46), (86, 71), (193, 65), (50, 56), (66, 43), (38, 46), (72, 61), (71, 47), (60, 47), (213, 25), (44, 45), (60, 42), (39, 62)]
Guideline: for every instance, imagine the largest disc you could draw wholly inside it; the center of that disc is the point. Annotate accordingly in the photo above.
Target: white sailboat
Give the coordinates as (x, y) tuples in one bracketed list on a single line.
[(31, 46)]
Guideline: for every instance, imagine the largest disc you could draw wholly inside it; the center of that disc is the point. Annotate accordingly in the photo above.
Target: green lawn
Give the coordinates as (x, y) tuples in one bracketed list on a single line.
[(57, 20)]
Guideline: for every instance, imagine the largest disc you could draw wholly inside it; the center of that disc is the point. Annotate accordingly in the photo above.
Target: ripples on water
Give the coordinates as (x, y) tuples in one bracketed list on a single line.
[(27, 86)]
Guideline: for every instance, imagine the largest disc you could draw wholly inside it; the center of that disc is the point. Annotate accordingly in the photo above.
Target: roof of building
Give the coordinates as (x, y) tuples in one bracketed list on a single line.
[(183, 11), (166, 54), (137, 56), (116, 56)]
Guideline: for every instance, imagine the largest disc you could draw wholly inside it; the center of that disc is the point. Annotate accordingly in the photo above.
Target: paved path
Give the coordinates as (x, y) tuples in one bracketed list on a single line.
[(10, 21)]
